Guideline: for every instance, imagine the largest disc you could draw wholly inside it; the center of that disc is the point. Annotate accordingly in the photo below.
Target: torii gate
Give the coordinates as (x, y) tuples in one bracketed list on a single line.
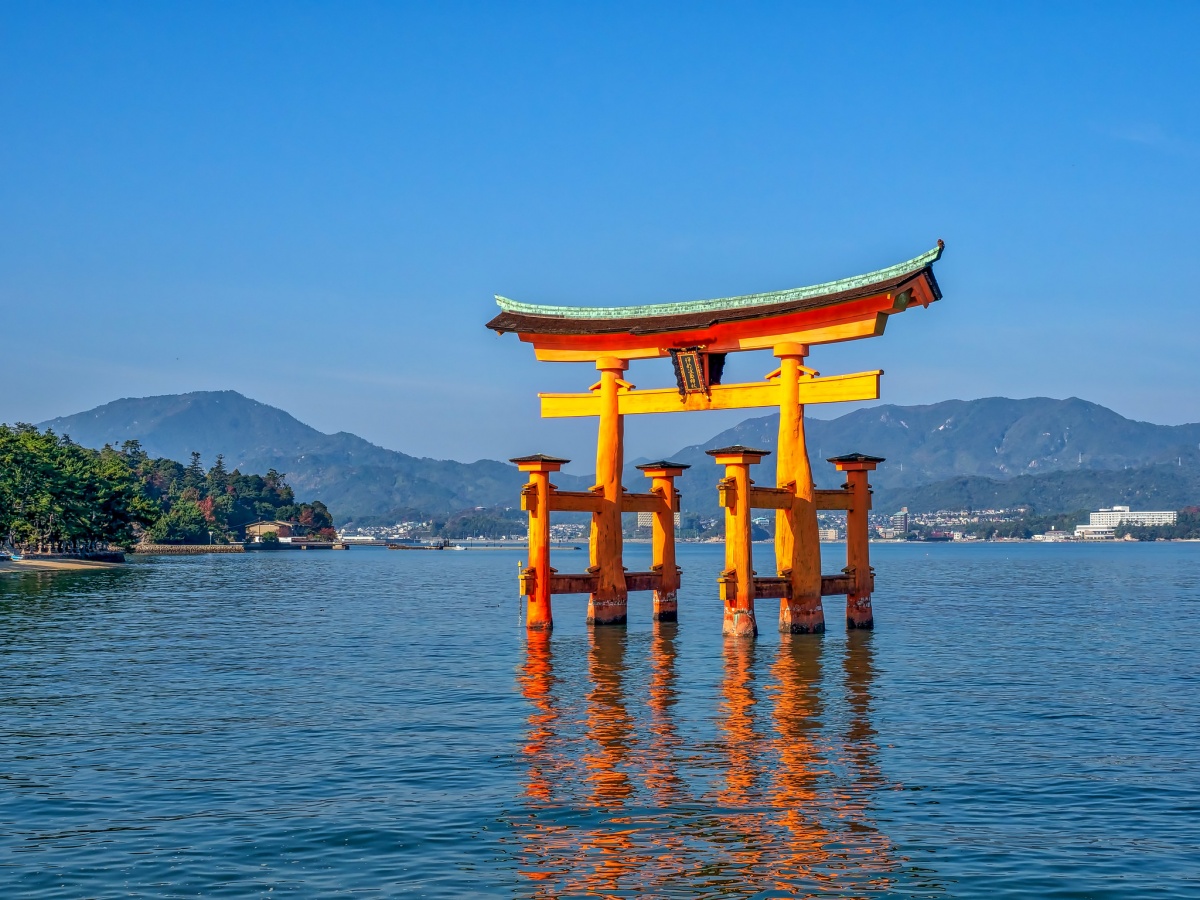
[(697, 336)]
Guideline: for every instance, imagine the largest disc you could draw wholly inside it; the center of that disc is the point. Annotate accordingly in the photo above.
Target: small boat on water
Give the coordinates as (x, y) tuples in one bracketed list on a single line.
[(437, 545)]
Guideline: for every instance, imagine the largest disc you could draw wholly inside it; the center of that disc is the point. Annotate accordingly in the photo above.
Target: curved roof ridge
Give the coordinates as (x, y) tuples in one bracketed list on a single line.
[(913, 265)]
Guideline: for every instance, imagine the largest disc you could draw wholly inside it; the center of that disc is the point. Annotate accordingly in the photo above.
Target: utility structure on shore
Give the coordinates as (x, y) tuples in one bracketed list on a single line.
[(697, 336)]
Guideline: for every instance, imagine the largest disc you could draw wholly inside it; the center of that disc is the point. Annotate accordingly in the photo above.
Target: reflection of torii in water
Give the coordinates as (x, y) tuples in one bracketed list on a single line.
[(570, 858), (620, 816), (858, 663)]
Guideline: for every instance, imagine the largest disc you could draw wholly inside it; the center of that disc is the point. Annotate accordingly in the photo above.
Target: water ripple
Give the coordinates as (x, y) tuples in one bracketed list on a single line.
[(1021, 724)]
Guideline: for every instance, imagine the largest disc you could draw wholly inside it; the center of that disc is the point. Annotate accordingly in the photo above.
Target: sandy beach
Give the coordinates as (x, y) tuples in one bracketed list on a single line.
[(16, 567)]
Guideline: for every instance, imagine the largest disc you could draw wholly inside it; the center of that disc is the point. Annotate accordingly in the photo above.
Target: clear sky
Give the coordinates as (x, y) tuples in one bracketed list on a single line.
[(313, 204)]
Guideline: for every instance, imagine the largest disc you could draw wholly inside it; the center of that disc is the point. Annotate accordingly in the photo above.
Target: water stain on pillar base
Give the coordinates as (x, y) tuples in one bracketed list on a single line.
[(796, 628), (607, 614)]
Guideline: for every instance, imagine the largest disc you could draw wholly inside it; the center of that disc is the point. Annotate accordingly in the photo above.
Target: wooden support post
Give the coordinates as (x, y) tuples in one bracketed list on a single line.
[(797, 540), (664, 473), (535, 499), (737, 581), (858, 548), (607, 604)]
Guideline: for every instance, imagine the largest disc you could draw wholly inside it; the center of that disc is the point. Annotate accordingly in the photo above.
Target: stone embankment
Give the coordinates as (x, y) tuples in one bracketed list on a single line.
[(186, 549)]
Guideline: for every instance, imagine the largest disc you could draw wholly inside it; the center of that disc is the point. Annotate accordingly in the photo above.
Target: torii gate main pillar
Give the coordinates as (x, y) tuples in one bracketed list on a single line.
[(797, 540), (608, 603)]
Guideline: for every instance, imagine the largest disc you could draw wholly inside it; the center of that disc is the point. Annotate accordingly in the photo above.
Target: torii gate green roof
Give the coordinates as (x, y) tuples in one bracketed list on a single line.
[(747, 301)]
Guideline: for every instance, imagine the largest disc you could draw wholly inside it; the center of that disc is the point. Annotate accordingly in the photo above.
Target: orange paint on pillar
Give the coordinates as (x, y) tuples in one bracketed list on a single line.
[(663, 475), (797, 538), (535, 500), (737, 580), (858, 549), (608, 603)]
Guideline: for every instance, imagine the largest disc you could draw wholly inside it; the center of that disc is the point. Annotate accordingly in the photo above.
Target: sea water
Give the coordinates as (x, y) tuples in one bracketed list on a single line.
[(1023, 722)]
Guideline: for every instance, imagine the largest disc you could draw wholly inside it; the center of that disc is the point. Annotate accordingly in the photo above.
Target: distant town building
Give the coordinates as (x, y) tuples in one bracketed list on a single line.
[(568, 531), (900, 521), (1123, 515), (1094, 532), (646, 519), (827, 534)]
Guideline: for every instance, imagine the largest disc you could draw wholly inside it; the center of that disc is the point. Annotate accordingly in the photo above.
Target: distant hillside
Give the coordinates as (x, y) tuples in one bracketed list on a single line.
[(950, 454), (995, 439), (353, 477), (1163, 486)]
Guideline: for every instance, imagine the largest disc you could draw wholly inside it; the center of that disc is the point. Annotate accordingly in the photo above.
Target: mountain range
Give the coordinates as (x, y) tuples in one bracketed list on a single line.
[(1059, 455), (973, 453), (356, 479)]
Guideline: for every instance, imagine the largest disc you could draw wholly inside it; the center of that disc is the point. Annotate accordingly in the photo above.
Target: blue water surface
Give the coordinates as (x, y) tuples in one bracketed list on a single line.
[(1023, 722)]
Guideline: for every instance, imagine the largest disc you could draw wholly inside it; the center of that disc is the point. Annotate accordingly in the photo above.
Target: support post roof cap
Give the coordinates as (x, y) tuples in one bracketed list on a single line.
[(539, 462), (856, 461), (737, 453), (737, 448), (663, 464)]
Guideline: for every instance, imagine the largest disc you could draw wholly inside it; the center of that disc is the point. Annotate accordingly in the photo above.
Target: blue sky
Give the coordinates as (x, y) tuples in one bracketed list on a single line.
[(313, 204)]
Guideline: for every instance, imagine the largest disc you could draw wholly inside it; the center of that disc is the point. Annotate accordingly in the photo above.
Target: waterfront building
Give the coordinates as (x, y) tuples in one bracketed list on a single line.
[(827, 534), (1094, 532), (900, 522), (1123, 515), (256, 530), (1054, 536)]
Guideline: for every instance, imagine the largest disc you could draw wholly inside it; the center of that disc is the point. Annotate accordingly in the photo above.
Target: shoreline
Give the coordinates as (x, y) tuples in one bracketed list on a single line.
[(17, 567)]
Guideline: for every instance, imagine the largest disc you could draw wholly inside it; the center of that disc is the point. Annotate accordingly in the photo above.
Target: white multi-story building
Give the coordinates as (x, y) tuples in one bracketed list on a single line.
[(1123, 515), (827, 534)]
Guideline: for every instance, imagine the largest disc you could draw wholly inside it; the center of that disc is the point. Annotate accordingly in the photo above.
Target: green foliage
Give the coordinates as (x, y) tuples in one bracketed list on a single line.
[(269, 537), (492, 524), (184, 524), (1186, 527), (196, 504), (693, 527), (56, 496), (1168, 486), (1025, 526)]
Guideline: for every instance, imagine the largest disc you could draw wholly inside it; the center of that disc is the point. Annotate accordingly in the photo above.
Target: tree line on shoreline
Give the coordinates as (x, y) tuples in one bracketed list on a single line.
[(57, 496), (1024, 527), (1186, 527)]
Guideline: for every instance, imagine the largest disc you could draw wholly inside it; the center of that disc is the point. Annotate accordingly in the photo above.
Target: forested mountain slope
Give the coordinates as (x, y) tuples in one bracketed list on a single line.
[(970, 451)]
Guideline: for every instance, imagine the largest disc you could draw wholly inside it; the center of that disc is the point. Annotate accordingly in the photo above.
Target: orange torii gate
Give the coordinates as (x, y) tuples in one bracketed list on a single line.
[(697, 336)]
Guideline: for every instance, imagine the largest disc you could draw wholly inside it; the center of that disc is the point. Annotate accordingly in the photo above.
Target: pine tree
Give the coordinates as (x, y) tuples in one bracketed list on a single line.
[(193, 475)]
